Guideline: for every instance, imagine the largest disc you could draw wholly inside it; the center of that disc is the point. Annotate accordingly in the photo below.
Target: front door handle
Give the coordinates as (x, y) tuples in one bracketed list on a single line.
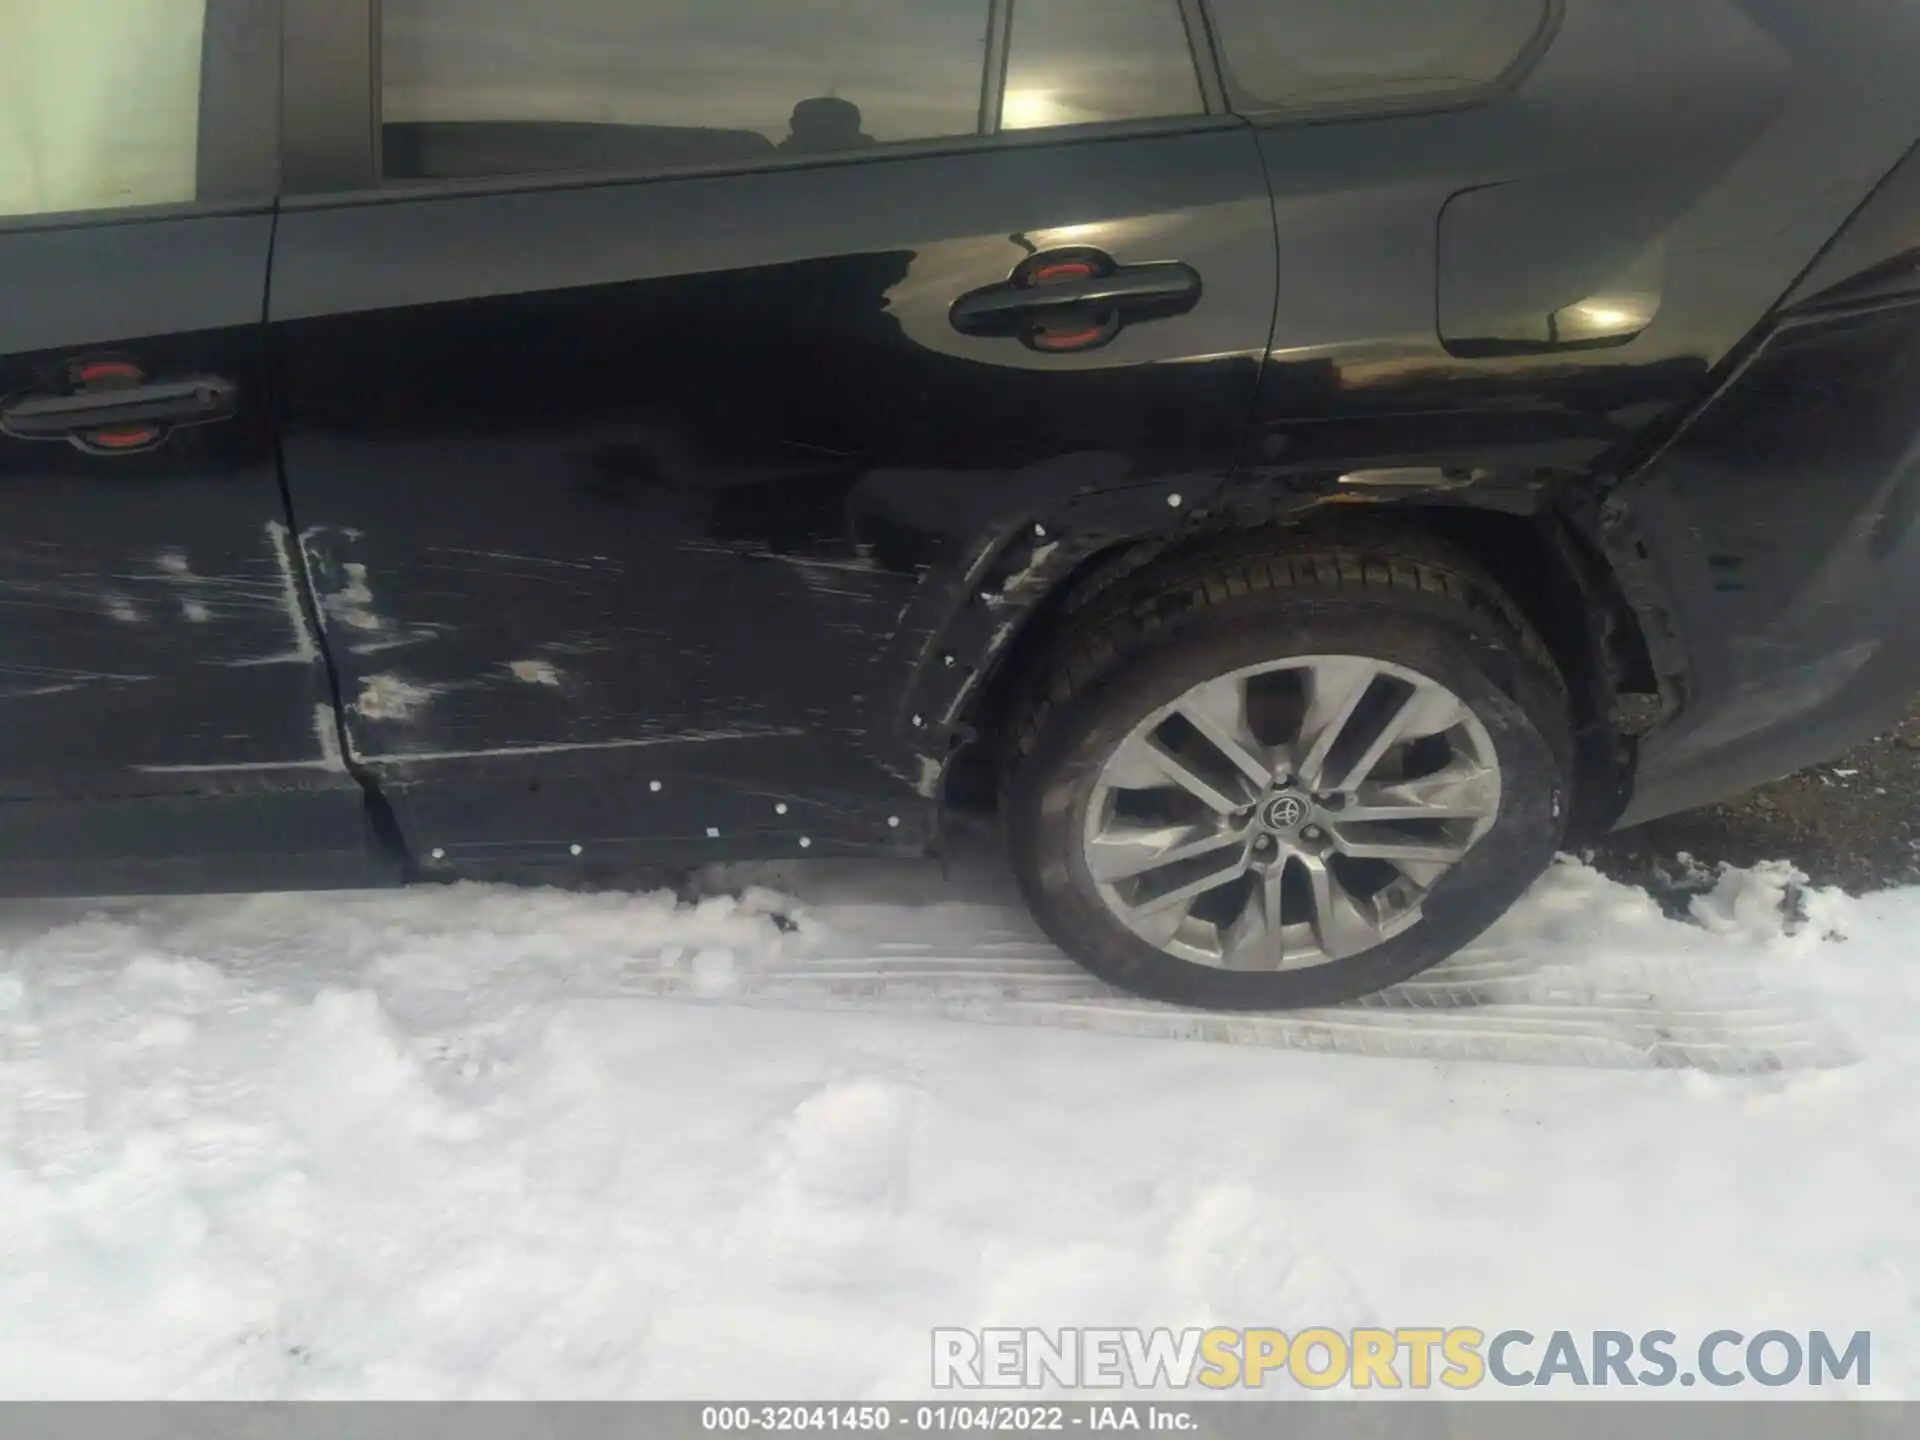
[(1076, 300), (130, 413)]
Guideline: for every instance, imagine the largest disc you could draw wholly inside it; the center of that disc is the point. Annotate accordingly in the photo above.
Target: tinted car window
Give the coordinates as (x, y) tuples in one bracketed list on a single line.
[(1077, 62), (1309, 54), (476, 87), (99, 105)]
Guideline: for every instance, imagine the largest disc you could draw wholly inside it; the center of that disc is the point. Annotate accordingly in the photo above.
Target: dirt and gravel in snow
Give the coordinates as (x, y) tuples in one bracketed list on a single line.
[(1853, 823)]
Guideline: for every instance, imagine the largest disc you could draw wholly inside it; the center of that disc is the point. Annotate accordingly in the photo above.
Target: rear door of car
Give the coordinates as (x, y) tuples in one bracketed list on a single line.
[(673, 415), (166, 714)]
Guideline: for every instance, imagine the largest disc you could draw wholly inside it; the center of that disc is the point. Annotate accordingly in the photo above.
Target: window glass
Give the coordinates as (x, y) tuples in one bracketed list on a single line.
[(99, 103), (477, 87), (1077, 62), (1303, 54)]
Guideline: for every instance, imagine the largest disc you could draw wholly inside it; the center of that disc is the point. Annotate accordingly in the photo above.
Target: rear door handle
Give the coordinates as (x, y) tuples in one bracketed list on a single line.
[(1138, 288), (1076, 300), (121, 417)]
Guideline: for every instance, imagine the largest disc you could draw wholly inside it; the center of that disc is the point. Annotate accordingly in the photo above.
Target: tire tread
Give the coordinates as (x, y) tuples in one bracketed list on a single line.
[(1182, 589)]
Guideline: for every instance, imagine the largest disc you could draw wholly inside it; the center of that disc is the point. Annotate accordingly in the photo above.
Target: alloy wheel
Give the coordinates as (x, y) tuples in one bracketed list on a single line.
[(1290, 814)]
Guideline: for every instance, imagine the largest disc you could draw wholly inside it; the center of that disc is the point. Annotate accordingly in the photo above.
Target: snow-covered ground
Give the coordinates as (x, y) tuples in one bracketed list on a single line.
[(476, 1142)]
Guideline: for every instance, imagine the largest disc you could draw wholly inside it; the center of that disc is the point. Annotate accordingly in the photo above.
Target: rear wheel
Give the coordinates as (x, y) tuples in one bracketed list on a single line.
[(1271, 780)]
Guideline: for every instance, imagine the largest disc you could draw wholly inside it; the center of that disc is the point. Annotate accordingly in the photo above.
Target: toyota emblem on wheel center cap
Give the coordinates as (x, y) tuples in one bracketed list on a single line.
[(1283, 812)]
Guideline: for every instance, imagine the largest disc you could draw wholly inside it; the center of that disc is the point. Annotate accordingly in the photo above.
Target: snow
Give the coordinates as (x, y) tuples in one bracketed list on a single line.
[(472, 1142)]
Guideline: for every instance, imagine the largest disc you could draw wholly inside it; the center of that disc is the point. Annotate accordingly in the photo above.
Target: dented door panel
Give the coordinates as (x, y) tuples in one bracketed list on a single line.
[(164, 698), (641, 514)]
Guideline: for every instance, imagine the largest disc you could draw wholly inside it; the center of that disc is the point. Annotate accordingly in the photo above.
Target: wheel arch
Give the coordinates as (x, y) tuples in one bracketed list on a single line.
[(1550, 561)]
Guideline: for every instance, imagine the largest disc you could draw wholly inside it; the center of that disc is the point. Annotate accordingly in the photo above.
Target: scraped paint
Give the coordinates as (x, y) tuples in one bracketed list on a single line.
[(388, 697), (534, 672)]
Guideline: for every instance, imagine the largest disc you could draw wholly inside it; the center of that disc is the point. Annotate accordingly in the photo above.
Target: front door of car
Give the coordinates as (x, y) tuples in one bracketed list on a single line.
[(167, 716), (687, 415)]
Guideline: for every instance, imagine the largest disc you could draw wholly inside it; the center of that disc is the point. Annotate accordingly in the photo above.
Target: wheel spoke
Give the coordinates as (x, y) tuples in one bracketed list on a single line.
[(1435, 712), (1462, 791), (1272, 932), (1396, 850), (1218, 710), (1118, 855), (1426, 710), (1144, 765), (1337, 921), (1243, 941), (1424, 874), (1180, 900), (1273, 902), (1338, 686)]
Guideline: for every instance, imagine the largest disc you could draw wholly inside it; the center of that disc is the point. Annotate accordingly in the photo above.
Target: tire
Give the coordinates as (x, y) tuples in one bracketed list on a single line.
[(1431, 623)]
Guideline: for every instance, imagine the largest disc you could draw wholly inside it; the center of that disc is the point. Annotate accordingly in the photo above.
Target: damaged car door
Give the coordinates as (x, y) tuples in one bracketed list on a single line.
[(168, 718), (662, 383)]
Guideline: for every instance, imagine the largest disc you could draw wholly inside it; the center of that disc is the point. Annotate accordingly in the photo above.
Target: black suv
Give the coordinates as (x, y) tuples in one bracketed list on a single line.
[(1301, 459)]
